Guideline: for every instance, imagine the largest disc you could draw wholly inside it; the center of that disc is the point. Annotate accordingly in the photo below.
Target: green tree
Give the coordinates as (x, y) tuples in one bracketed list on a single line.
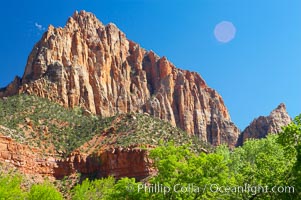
[(260, 163), (45, 191), (95, 189), (290, 138), (10, 187), (128, 189), (187, 175)]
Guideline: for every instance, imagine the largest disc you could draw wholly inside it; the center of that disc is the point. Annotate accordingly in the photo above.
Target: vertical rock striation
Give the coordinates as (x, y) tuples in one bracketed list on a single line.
[(95, 66)]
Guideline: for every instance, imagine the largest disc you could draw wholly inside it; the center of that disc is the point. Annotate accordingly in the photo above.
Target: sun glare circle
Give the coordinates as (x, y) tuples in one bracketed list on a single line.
[(224, 31)]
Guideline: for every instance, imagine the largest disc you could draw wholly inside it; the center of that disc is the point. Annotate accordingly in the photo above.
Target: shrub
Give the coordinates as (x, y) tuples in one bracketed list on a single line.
[(44, 191), (10, 187), (93, 190)]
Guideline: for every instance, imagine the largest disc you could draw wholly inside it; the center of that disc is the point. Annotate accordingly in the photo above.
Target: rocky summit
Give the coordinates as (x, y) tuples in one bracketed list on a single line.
[(262, 126), (95, 66)]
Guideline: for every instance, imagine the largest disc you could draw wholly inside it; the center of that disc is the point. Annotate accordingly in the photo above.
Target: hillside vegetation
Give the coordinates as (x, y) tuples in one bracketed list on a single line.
[(266, 168), (41, 123)]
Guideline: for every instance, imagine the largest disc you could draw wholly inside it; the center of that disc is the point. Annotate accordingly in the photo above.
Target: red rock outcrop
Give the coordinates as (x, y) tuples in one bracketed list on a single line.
[(129, 162), (95, 66), (26, 159), (262, 126)]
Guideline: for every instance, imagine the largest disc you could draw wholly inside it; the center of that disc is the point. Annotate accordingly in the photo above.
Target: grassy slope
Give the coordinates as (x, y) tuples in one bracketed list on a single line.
[(38, 122)]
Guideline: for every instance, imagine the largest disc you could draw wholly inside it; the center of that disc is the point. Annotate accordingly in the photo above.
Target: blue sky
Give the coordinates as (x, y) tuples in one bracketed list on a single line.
[(256, 71)]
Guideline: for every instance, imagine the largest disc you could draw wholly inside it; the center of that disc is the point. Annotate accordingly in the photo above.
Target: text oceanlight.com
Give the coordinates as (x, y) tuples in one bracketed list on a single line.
[(215, 188)]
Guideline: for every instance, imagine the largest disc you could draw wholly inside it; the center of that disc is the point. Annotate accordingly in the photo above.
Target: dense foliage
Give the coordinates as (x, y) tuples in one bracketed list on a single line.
[(290, 138), (11, 189), (93, 190)]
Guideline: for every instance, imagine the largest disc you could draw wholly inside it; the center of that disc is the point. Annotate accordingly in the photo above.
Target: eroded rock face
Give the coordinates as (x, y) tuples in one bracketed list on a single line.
[(12, 88), (95, 66), (26, 159), (262, 126), (130, 162)]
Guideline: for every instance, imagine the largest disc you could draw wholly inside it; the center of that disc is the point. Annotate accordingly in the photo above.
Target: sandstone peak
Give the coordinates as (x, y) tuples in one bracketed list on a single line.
[(96, 67), (280, 108), (83, 16), (262, 126), (84, 22)]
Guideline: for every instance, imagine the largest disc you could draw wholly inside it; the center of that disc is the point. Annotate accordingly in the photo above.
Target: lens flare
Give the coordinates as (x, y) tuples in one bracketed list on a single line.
[(224, 31)]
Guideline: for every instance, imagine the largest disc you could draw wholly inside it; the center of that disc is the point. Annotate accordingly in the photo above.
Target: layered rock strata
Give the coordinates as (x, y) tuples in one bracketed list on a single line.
[(130, 162)]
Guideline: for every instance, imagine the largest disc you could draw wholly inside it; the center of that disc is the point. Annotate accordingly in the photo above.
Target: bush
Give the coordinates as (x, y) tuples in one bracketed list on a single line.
[(97, 189), (44, 191), (10, 187)]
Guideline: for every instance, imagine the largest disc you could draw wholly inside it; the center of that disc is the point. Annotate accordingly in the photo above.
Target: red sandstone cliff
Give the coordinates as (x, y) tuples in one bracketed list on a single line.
[(117, 162), (95, 66), (262, 126)]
